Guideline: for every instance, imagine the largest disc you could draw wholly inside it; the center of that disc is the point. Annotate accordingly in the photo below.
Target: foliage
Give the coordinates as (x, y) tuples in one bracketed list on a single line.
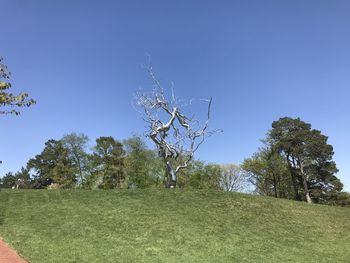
[(8, 181), (21, 179), (143, 167), (8, 101), (309, 158), (108, 163), (76, 145), (339, 199), (199, 175), (269, 173), (111, 164), (296, 163), (155, 225), (233, 178), (53, 165)]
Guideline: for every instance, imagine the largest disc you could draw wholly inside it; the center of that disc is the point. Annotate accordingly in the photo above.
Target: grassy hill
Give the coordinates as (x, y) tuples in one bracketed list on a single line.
[(170, 226)]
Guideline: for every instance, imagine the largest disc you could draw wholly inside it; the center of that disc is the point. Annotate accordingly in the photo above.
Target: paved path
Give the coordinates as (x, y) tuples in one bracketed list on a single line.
[(8, 255)]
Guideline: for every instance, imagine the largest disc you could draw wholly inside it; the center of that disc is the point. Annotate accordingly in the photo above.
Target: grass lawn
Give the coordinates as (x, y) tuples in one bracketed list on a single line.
[(170, 226)]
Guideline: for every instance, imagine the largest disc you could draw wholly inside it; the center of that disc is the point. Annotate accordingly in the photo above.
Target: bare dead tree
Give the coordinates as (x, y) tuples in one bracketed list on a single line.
[(233, 178), (176, 134)]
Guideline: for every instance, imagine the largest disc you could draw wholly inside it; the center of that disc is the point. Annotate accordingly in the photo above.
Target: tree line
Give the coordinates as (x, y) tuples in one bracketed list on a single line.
[(295, 163), (114, 164)]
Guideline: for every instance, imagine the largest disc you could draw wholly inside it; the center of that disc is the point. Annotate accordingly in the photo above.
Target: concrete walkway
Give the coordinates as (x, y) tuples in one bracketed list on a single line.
[(8, 255)]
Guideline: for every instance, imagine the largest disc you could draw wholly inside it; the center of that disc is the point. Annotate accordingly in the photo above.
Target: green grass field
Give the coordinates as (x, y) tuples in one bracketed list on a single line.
[(170, 226)]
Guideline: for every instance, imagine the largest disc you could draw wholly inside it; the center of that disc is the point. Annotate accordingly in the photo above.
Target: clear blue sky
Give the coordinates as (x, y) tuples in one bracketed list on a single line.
[(260, 60)]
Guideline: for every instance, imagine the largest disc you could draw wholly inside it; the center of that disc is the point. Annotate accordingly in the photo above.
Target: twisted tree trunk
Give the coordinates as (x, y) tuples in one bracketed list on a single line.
[(171, 176)]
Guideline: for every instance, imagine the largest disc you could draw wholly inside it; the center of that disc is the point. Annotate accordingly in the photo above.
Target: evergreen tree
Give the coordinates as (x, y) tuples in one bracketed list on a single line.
[(108, 164), (53, 165), (308, 156)]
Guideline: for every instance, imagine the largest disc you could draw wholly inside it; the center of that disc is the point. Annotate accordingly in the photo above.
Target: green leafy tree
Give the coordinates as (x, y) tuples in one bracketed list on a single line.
[(8, 181), (309, 158), (53, 165), (199, 175), (76, 145), (8, 101), (338, 199), (268, 172), (143, 167), (210, 177), (108, 164), (23, 178)]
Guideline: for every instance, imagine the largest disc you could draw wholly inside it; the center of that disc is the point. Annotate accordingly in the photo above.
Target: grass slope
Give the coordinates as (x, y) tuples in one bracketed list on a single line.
[(170, 226)]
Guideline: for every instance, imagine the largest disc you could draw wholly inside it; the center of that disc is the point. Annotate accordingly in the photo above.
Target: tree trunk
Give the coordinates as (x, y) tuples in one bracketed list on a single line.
[(306, 189), (275, 186), (294, 181), (80, 172), (171, 176)]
